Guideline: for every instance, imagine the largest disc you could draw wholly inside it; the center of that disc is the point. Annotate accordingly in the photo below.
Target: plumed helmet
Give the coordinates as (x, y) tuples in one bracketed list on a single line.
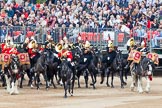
[(87, 44), (110, 44), (49, 37), (65, 38), (131, 42), (27, 40), (66, 46)]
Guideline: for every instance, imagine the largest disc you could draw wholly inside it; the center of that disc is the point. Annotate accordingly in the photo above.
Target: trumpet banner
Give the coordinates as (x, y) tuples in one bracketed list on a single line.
[(4, 58), (154, 57), (24, 58)]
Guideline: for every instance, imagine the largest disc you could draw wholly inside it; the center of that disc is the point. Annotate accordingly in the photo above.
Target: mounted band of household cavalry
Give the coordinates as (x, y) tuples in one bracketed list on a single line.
[(66, 62)]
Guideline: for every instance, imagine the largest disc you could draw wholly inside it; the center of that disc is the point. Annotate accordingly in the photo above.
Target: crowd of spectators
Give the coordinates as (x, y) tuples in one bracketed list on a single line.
[(76, 15)]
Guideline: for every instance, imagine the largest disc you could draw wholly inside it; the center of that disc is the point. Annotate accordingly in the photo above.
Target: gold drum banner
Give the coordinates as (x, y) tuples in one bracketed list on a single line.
[(24, 58)]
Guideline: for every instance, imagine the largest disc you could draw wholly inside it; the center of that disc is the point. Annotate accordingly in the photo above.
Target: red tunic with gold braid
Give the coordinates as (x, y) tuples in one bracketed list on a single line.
[(67, 53), (31, 52), (3, 47), (12, 51)]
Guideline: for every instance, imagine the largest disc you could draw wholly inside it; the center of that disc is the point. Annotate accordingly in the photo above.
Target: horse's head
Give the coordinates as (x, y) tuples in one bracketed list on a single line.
[(14, 64), (77, 52), (64, 68), (119, 58), (49, 56), (147, 66)]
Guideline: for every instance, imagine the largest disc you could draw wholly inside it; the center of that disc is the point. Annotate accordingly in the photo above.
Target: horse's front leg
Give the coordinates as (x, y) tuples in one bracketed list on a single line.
[(38, 80), (121, 78), (139, 87), (107, 74), (102, 76), (65, 88), (21, 81), (78, 76), (148, 84), (53, 82), (133, 81), (72, 84), (46, 79), (16, 89), (86, 78), (8, 83), (112, 79), (92, 79)]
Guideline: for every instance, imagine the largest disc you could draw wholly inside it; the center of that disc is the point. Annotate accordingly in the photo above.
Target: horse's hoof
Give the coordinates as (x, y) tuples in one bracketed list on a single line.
[(65, 97), (124, 83), (55, 87), (12, 92), (132, 88), (101, 82), (91, 84), (112, 86), (94, 88), (140, 92), (86, 86), (21, 86), (71, 94), (122, 87), (79, 87), (47, 89), (108, 85)]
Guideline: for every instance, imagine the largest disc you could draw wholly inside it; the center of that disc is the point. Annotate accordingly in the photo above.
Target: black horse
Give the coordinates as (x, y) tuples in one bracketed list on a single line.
[(25, 68), (12, 74), (67, 77), (82, 68), (41, 67), (115, 66), (52, 67)]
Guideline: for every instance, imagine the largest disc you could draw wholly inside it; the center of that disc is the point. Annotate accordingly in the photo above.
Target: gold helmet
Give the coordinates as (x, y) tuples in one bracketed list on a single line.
[(110, 44), (87, 44), (132, 42), (58, 47)]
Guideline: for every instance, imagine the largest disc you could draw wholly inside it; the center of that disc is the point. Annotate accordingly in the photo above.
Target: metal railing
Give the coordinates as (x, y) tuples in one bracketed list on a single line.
[(97, 36)]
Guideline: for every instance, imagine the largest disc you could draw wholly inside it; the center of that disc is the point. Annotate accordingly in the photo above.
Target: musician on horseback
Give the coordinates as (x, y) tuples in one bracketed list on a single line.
[(110, 55), (66, 53), (33, 52), (130, 46), (87, 57)]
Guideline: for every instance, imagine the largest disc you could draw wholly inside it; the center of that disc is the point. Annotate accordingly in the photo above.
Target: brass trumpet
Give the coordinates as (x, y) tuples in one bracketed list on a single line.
[(58, 47)]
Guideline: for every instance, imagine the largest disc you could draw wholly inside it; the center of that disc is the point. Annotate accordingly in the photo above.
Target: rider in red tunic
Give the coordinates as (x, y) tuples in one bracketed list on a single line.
[(66, 53)]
